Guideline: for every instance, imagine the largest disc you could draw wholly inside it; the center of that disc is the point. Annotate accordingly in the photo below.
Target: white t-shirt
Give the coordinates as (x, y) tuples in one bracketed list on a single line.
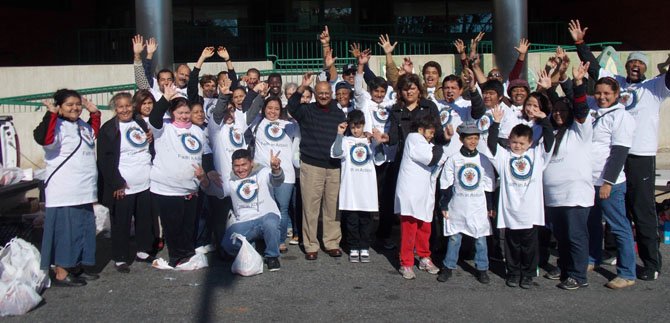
[(376, 114), (450, 114), (643, 102), (483, 123), (177, 151), (225, 140), (611, 127), (276, 136), (567, 178), (521, 203), (251, 195), (358, 180), (75, 183), (469, 178), (134, 158), (415, 189)]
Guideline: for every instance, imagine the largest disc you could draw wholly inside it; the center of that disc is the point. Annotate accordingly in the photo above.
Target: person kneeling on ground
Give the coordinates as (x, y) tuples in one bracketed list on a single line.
[(256, 213)]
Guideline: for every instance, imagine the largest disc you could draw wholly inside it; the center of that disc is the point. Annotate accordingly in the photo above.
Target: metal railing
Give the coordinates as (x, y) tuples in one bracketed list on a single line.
[(33, 103)]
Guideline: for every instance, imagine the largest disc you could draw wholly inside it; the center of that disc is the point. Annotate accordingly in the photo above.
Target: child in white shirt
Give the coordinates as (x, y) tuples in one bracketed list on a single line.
[(467, 180), (415, 195), (358, 184), (521, 206)]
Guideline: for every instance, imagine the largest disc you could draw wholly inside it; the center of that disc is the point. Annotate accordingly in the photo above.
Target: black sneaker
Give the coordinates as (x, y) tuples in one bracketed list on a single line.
[(85, 275), (512, 281), (122, 268), (571, 284), (273, 264), (647, 274), (483, 277), (526, 282), (553, 273), (444, 274)]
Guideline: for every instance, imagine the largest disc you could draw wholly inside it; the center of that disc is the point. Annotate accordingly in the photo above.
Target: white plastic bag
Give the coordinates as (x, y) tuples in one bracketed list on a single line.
[(102, 221), (248, 262), (20, 260), (11, 175), (196, 262), (17, 298)]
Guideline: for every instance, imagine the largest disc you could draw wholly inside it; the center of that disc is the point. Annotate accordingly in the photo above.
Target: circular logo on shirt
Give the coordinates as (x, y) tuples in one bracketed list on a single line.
[(521, 167), (469, 176), (359, 154), (247, 190), (235, 137), (628, 98), (445, 116), (191, 143), (274, 132), (381, 115), (484, 123), (86, 136), (136, 137)]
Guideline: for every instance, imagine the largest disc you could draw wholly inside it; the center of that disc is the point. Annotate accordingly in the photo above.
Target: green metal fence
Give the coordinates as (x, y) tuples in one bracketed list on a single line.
[(32, 103)]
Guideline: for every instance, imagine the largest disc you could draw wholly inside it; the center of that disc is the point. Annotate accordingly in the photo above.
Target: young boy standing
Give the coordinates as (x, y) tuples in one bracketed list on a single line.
[(415, 195), (521, 207), (468, 178), (358, 184)]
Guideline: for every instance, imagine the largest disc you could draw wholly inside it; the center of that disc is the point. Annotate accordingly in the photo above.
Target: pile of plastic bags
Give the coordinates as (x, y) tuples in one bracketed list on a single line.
[(21, 279)]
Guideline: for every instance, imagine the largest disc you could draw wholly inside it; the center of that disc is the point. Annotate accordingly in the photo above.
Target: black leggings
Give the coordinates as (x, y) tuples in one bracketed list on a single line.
[(122, 211), (178, 219)]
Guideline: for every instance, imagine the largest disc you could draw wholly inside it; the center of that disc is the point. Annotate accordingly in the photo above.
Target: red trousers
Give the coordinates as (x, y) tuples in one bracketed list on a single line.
[(414, 234)]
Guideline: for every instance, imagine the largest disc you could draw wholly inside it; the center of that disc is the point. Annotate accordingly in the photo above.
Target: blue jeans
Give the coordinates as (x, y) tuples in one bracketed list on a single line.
[(569, 225), (454, 245), (265, 227), (613, 210), (282, 196)]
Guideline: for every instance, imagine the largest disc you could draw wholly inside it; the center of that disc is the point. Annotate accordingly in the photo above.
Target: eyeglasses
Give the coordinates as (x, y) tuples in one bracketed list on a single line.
[(496, 75)]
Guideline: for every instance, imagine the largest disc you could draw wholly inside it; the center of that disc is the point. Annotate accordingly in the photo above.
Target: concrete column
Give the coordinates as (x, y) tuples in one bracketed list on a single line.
[(510, 23), (153, 18)]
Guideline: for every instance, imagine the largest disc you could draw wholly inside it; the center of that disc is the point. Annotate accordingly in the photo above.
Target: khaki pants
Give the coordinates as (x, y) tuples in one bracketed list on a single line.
[(320, 188)]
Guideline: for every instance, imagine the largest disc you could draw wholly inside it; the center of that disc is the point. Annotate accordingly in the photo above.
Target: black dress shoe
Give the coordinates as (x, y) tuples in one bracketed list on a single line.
[(69, 281), (83, 274), (122, 268), (334, 252)]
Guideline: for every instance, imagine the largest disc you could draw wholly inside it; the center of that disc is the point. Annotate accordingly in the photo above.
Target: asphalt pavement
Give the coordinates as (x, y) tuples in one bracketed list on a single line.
[(334, 290)]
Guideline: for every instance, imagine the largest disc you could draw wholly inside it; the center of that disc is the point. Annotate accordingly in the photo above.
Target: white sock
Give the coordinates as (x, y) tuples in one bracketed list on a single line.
[(142, 255), (120, 263)]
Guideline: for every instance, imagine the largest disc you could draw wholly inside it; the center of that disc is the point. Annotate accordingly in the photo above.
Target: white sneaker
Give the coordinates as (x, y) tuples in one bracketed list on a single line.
[(354, 256), (289, 233), (365, 255), (407, 272), (427, 265)]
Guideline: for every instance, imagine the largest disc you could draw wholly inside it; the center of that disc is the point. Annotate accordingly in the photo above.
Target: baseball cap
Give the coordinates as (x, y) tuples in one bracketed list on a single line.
[(468, 128), (640, 56)]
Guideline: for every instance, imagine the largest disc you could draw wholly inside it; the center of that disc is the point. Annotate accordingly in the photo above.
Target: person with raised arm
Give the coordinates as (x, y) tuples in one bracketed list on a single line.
[(68, 241), (642, 99)]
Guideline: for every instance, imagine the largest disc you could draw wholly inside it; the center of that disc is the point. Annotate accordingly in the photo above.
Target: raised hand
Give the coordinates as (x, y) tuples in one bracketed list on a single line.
[(152, 46), (468, 77), (579, 72), (523, 47), (364, 57), (223, 53), (460, 46), (138, 44), (307, 79), (341, 128), (355, 50), (261, 88), (560, 53), (50, 106), (328, 59), (170, 91), (543, 80), (385, 44), (275, 162), (448, 132), (407, 65), (538, 114), (576, 31), (325, 36), (498, 113), (207, 52), (224, 86), (90, 106)]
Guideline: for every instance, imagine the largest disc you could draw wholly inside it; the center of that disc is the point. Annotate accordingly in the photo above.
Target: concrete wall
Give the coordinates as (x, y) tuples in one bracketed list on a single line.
[(31, 80)]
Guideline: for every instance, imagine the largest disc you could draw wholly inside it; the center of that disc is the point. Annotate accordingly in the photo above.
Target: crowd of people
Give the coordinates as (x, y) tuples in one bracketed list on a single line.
[(196, 160)]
